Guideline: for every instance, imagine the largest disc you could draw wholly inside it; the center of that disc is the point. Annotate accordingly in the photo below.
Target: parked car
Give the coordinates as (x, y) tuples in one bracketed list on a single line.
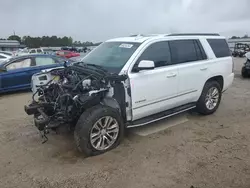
[(72, 49), (67, 54), (78, 58), (133, 81), (21, 52), (7, 53), (16, 72), (4, 57), (36, 51), (245, 71), (240, 50), (49, 51), (29, 51)]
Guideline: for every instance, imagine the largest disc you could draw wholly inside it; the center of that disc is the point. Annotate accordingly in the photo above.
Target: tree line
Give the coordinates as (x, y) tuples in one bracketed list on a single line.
[(237, 37), (49, 41)]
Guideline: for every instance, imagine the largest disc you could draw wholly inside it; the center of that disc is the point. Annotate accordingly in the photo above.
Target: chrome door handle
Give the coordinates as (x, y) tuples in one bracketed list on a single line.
[(202, 69), (171, 75)]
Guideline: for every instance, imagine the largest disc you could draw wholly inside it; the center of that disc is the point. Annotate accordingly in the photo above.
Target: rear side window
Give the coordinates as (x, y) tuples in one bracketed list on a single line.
[(186, 51), (219, 47), (199, 50), (41, 61)]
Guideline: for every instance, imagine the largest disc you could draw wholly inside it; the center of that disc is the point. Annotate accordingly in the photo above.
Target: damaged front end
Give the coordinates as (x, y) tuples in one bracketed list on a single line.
[(69, 93)]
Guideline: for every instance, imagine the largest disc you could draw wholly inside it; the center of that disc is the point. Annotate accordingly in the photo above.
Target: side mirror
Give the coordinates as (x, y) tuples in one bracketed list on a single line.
[(146, 65)]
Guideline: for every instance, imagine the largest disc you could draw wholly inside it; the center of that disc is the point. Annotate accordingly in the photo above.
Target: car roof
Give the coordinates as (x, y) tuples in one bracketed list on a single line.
[(140, 38), (34, 55), (30, 55)]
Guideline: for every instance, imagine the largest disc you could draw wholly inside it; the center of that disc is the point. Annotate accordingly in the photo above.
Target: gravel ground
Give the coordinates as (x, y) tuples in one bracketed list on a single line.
[(211, 151)]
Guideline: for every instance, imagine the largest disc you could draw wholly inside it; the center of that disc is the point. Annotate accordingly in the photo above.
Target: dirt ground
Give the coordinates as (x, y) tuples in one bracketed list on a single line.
[(211, 151)]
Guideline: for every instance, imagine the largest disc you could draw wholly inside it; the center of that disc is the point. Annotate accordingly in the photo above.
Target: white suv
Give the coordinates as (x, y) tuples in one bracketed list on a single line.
[(133, 81)]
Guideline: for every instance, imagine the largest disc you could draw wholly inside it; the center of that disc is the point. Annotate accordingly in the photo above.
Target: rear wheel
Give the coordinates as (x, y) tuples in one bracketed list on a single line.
[(210, 98), (98, 130)]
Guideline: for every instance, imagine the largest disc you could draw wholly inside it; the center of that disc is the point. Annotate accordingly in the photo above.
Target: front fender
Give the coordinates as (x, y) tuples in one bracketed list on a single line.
[(111, 102)]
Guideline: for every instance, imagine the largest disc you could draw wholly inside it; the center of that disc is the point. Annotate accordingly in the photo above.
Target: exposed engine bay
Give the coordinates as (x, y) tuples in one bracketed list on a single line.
[(72, 90)]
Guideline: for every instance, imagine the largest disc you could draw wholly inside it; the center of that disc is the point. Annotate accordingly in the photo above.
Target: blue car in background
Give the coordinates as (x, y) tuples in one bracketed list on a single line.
[(16, 73)]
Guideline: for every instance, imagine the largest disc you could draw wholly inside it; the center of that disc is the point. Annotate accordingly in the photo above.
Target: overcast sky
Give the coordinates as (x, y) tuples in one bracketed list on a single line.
[(98, 20)]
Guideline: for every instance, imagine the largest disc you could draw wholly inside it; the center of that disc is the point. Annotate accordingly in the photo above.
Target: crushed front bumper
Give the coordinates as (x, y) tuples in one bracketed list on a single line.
[(31, 109), (41, 120)]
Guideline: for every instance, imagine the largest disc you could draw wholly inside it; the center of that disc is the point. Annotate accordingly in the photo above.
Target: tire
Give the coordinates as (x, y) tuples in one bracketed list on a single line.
[(244, 72), (201, 105), (87, 125)]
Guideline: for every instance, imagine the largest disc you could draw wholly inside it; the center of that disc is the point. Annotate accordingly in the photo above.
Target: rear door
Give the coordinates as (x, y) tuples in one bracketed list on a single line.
[(17, 74), (190, 57)]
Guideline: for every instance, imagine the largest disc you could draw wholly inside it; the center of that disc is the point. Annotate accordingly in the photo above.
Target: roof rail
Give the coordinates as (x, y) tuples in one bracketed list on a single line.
[(192, 34), (146, 35)]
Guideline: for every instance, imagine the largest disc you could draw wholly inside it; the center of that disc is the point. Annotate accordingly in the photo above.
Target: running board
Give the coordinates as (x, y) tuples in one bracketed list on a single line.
[(161, 115)]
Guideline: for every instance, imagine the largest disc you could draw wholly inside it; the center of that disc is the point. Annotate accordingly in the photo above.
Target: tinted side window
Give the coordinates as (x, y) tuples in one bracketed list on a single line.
[(185, 51), (199, 50), (219, 47), (158, 52)]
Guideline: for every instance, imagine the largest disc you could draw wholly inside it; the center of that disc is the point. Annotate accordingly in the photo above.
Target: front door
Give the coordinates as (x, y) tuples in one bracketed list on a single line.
[(153, 91), (17, 74)]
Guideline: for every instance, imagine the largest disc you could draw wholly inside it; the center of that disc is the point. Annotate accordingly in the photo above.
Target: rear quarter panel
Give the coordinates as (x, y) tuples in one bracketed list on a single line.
[(218, 66)]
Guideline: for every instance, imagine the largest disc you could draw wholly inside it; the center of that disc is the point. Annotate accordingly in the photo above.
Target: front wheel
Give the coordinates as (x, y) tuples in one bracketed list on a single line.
[(98, 130), (210, 98)]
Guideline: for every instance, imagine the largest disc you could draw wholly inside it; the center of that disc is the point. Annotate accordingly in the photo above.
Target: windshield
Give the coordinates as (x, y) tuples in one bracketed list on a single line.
[(111, 55)]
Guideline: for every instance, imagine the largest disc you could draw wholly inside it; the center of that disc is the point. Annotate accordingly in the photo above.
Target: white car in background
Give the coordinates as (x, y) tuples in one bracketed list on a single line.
[(7, 53), (36, 51), (4, 57), (29, 51)]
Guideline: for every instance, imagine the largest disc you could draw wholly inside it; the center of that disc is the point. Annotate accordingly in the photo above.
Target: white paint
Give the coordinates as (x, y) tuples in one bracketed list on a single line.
[(164, 88)]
